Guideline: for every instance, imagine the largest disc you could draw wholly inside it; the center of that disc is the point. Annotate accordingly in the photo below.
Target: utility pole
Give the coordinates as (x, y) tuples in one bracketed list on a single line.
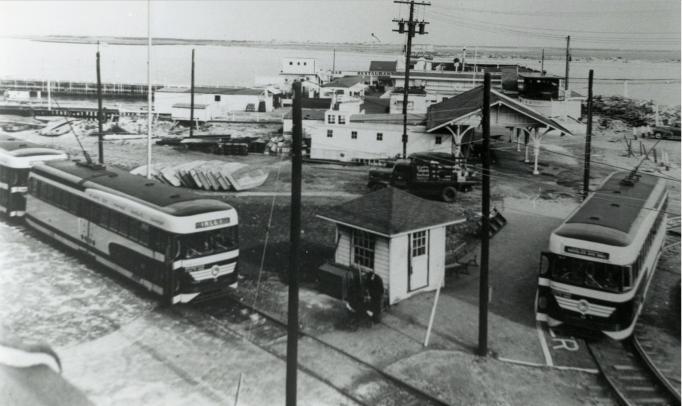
[(485, 223), (99, 111), (149, 89), (294, 247), (411, 30), (191, 101), (568, 60), (588, 138), (542, 63)]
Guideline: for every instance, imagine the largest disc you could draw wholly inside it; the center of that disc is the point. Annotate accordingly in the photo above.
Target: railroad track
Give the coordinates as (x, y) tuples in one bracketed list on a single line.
[(631, 373), (269, 333)]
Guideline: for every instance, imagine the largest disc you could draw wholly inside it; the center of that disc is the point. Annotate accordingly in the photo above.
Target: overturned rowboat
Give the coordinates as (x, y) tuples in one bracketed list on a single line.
[(207, 175)]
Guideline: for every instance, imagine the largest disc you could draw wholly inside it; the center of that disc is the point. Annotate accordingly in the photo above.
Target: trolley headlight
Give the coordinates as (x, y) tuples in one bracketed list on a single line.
[(542, 302)]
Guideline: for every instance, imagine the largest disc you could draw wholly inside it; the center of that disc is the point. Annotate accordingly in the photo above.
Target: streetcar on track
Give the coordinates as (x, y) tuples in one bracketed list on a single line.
[(601, 260), (16, 157), (175, 243)]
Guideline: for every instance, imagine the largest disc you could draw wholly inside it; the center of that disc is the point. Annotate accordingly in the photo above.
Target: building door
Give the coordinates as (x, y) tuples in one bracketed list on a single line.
[(418, 267)]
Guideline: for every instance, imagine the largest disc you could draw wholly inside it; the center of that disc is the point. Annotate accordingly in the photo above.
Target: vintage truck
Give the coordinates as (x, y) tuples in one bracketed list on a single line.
[(432, 174)]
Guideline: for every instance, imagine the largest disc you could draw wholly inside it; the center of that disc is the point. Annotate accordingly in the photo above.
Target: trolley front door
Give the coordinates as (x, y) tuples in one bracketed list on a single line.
[(418, 267)]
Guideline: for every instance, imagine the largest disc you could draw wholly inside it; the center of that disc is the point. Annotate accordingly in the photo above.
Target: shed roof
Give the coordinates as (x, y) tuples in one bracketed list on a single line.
[(464, 104), (228, 91), (391, 211), (383, 66), (346, 81)]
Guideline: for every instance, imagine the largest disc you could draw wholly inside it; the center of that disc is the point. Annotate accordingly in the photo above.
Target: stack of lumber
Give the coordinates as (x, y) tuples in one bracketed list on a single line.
[(207, 175)]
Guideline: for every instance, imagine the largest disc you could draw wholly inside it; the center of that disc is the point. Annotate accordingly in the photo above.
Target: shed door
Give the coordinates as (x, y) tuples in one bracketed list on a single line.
[(418, 270)]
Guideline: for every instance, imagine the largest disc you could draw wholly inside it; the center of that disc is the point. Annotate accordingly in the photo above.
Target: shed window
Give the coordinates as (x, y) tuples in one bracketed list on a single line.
[(330, 133), (363, 248), (380, 136), (342, 119), (439, 139), (216, 97), (354, 135)]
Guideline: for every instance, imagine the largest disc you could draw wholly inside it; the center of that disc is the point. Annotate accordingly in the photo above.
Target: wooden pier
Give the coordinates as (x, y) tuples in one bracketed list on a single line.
[(87, 89)]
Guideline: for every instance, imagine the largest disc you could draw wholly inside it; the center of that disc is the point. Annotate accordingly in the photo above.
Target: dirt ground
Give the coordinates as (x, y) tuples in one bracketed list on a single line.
[(552, 194)]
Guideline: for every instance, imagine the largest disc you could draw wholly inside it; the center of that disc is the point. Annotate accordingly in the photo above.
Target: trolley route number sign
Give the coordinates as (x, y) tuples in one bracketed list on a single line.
[(586, 252)]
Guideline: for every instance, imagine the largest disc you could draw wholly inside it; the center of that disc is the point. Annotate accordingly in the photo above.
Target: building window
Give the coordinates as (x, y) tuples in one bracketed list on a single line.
[(354, 135), (418, 243), (363, 248), (298, 63), (439, 139), (305, 63), (291, 63), (330, 133), (342, 119), (331, 119), (216, 97), (380, 136)]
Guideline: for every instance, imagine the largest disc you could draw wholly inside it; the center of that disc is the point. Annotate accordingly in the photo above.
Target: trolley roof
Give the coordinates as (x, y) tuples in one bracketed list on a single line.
[(109, 179), (20, 148), (615, 208)]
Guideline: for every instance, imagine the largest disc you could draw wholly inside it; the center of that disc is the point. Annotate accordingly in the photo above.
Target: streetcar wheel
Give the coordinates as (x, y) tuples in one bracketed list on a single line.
[(448, 194)]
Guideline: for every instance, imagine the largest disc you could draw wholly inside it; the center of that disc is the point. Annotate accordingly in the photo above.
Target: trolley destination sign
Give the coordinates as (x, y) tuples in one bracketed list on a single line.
[(586, 252), (212, 223)]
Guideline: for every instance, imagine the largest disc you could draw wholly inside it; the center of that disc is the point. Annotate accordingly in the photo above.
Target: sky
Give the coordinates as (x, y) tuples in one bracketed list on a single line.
[(621, 24)]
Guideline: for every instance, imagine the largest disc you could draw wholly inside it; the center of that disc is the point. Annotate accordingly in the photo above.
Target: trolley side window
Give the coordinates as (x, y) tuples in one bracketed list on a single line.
[(588, 274)]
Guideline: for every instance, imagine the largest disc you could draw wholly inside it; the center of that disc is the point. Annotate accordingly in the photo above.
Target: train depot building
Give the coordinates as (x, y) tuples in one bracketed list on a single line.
[(394, 234)]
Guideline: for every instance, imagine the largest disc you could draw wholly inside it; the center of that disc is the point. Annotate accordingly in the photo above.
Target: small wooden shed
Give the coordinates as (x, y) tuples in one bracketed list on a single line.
[(395, 234)]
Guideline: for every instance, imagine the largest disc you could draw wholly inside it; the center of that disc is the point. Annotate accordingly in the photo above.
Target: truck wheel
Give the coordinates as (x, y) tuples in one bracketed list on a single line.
[(448, 194), (658, 135)]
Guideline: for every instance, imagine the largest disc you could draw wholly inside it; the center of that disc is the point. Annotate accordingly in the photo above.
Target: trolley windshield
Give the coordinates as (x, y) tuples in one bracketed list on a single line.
[(588, 274), (208, 242)]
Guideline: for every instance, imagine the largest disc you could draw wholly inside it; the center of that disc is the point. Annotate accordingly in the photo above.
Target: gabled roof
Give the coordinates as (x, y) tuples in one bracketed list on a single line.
[(469, 103), (397, 118), (189, 106), (376, 105), (346, 81), (391, 211), (308, 114), (316, 103), (213, 90), (383, 66)]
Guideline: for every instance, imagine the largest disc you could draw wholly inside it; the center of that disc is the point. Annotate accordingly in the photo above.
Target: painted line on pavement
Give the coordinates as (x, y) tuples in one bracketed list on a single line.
[(543, 344)]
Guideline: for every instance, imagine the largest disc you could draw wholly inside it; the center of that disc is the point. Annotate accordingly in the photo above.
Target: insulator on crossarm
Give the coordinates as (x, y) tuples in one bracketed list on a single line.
[(422, 25), (401, 27)]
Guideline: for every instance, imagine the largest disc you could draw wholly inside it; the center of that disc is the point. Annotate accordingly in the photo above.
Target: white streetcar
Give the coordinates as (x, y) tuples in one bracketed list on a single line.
[(601, 260)]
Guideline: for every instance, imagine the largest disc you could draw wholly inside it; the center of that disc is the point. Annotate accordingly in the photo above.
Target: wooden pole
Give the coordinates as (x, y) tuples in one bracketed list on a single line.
[(100, 136), (588, 138), (149, 89), (542, 63), (568, 60), (433, 312), (191, 101), (485, 223), (295, 237), (410, 33)]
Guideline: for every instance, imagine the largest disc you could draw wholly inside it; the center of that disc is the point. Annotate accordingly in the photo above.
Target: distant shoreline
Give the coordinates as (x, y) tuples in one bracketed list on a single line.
[(383, 48)]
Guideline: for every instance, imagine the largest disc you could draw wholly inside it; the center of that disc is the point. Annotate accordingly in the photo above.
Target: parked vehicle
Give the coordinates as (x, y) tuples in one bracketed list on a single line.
[(667, 132), (433, 174)]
